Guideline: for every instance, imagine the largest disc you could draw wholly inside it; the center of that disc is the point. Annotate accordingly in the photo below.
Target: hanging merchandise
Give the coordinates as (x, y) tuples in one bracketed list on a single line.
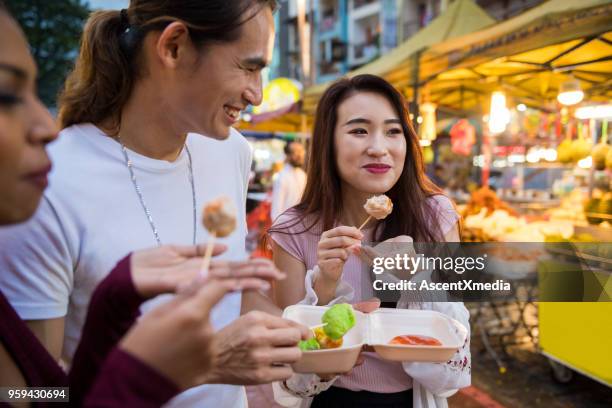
[(427, 129), (428, 155), (463, 137), (277, 94), (601, 150), (564, 151), (532, 123), (515, 126), (581, 147), (558, 126), (604, 136)]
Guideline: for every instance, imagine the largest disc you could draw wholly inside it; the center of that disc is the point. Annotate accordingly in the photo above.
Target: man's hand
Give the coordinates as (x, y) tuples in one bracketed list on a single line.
[(177, 339), (256, 349)]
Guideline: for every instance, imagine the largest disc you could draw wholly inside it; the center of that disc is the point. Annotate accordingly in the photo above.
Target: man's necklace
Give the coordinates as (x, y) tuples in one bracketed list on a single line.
[(129, 165)]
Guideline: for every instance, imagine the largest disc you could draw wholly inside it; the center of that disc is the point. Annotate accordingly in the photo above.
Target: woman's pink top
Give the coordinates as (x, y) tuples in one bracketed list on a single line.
[(375, 374)]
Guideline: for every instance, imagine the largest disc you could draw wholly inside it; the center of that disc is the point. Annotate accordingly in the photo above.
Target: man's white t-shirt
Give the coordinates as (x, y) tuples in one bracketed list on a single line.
[(91, 217)]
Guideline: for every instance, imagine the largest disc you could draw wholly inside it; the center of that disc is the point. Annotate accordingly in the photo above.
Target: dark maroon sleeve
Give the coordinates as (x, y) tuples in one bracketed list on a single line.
[(113, 308), (125, 381)]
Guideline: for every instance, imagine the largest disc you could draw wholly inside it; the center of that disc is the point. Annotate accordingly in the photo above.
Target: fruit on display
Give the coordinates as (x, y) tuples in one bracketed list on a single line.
[(591, 207), (486, 198), (571, 208), (605, 204), (494, 225), (572, 151), (600, 154), (564, 151), (609, 160), (601, 180), (537, 231), (583, 237), (580, 148)]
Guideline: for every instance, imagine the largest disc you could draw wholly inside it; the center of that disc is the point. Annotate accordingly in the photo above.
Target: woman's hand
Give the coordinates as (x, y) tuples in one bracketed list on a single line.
[(170, 268), (333, 251), (389, 248), (386, 249), (177, 339)]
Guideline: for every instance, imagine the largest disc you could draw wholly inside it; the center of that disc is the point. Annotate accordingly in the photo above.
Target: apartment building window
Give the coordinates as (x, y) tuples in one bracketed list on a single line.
[(361, 3), (329, 15)]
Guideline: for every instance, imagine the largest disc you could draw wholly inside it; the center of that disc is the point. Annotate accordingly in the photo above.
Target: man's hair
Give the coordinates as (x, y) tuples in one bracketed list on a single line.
[(287, 148)]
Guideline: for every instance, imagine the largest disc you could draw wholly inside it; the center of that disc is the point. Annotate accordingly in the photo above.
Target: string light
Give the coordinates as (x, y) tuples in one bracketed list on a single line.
[(499, 115), (570, 92)]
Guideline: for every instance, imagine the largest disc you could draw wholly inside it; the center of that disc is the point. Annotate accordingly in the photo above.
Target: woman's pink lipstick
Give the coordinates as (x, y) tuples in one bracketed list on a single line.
[(377, 168)]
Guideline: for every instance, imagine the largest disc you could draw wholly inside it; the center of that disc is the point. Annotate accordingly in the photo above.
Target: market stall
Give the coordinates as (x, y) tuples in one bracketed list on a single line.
[(547, 163), (525, 102)]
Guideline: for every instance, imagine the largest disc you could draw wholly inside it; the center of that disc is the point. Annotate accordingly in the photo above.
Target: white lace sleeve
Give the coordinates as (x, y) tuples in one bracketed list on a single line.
[(443, 379), (306, 385), (344, 291)]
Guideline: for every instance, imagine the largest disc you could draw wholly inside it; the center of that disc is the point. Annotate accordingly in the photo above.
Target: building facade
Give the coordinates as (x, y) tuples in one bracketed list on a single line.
[(346, 34)]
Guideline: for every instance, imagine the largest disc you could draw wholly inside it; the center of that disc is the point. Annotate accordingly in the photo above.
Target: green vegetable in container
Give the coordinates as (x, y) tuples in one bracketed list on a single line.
[(310, 344), (339, 319)]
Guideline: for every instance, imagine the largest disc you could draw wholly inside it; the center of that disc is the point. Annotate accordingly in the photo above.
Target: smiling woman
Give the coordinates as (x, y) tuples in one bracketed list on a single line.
[(362, 145)]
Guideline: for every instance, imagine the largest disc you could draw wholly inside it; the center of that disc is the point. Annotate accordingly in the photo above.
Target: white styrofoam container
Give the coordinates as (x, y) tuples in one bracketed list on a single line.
[(377, 329)]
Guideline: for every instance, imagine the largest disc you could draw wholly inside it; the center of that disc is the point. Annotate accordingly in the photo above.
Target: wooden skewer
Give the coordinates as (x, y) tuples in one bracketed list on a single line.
[(365, 222), (208, 254), (317, 326)]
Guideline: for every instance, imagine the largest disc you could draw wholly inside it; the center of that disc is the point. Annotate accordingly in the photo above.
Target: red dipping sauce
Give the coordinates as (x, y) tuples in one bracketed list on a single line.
[(415, 340)]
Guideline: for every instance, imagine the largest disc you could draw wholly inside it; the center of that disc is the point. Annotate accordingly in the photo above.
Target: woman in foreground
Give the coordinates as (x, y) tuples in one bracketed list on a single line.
[(364, 145)]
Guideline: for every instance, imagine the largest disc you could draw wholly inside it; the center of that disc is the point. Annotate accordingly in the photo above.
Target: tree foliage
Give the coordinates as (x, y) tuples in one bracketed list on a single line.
[(53, 29)]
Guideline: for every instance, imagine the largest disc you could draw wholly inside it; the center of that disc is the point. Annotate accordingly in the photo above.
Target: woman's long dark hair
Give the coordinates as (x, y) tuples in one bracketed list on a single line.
[(322, 199)]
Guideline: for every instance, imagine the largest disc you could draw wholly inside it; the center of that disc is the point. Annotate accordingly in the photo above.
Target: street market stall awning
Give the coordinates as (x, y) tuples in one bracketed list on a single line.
[(528, 57), (283, 122), (461, 17), (279, 110)]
